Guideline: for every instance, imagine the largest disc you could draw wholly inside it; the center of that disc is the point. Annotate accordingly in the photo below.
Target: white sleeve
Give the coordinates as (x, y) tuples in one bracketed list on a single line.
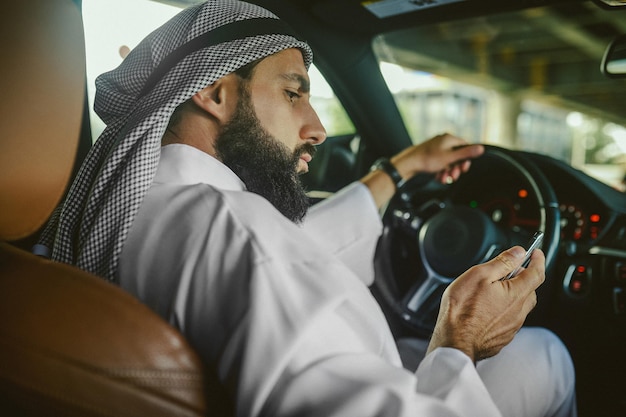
[(451, 376), (348, 224)]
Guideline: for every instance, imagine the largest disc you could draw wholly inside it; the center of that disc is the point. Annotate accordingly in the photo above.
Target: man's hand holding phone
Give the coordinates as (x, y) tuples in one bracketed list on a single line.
[(535, 243), (481, 311)]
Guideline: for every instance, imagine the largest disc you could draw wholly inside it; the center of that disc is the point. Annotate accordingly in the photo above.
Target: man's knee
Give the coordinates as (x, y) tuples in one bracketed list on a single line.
[(542, 344), (532, 376)]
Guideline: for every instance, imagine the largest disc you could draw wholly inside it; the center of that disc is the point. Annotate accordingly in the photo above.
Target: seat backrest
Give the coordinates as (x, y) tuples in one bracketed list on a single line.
[(42, 82), (70, 344), (74, 345)]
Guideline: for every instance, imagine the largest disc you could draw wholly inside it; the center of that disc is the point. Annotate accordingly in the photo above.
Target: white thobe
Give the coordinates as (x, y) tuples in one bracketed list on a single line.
[(291, 327)]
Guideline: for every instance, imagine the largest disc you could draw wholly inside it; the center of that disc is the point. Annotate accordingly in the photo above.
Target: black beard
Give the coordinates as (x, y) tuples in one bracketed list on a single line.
[(265, 165)]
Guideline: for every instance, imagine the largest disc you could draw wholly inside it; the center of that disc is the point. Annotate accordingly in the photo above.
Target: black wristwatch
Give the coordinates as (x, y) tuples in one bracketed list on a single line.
[(385, 165)]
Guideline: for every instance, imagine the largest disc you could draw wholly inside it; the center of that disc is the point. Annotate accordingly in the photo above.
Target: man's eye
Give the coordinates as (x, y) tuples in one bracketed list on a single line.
[(292, 95)]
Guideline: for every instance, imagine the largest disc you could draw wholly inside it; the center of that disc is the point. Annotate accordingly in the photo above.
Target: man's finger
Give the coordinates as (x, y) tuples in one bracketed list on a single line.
[(534, 274), (530, 302), (505, 262), (464, 152)]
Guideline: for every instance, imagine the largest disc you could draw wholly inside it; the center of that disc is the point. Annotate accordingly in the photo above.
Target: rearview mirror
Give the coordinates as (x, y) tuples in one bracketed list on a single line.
[(614, 60)]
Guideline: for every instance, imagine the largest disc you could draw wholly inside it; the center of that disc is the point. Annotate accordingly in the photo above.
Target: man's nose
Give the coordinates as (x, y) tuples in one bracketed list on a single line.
[(313, 129)]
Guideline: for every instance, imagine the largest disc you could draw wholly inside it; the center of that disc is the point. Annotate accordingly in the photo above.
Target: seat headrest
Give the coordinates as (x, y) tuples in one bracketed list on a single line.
[(42, 80)]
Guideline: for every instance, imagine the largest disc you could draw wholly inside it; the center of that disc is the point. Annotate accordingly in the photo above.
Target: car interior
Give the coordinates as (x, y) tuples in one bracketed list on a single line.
[(540, 82)]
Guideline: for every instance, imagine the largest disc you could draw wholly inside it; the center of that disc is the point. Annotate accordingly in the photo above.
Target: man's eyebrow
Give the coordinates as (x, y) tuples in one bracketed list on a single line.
[(305, 85)]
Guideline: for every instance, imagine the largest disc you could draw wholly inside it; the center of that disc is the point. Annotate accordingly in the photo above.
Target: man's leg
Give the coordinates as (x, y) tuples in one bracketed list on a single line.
[(532, 376)]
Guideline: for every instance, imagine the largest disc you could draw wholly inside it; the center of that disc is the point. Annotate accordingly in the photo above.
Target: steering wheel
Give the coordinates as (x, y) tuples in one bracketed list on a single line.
[(432, 233)]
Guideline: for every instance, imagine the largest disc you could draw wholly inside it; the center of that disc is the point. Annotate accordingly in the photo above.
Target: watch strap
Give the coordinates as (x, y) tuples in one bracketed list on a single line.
[(385, 165)]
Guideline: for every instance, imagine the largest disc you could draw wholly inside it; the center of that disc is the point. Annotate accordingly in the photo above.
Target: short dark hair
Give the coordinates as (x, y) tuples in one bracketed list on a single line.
[(247, 70)]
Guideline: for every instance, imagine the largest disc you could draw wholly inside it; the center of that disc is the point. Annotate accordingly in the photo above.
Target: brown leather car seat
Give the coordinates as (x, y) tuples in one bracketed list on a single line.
[(71, 344)]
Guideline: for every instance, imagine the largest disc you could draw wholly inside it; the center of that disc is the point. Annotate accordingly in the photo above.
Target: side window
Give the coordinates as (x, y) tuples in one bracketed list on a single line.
[(112, 29), (328, 107), (335, 161)]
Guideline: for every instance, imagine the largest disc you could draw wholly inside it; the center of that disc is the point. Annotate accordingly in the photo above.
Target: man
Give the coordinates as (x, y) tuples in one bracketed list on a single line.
[(162, 206)]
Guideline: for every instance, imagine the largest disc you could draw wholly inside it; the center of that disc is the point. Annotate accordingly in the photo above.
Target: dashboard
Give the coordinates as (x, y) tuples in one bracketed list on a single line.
[(589, 272), (510, 201)]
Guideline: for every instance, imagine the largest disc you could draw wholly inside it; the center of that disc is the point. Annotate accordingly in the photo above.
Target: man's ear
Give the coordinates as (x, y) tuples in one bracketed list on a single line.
[(220, 98)]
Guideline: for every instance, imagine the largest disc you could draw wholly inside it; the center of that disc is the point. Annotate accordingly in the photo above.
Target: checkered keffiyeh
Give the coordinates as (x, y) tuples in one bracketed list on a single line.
[(89, 228)]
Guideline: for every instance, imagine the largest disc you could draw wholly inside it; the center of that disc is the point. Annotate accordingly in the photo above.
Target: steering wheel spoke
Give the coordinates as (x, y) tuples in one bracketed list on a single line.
[(421, 303), (424, 291), (410, 219)]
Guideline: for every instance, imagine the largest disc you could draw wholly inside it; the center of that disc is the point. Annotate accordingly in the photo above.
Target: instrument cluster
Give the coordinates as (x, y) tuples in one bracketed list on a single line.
[(580, 224)]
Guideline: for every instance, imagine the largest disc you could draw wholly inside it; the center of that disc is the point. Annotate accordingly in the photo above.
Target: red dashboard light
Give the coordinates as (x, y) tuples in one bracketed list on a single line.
[(580, 269), (595, 218), (522, 193)]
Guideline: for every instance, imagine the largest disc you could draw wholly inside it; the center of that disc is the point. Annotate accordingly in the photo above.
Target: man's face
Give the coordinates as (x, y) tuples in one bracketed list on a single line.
[(268, 165), (279, 92)]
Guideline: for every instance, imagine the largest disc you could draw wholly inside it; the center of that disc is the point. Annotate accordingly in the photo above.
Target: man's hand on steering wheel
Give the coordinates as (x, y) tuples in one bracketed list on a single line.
[(445, 155)]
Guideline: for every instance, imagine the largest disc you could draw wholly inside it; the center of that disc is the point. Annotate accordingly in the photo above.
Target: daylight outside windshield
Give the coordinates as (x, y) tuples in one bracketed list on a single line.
[(526, 80)]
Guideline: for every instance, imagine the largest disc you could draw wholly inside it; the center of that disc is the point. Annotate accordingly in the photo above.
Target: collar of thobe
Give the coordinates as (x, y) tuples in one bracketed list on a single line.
[(187, 165)]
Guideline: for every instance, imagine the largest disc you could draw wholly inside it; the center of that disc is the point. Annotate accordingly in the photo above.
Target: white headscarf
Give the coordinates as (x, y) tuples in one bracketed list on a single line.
[(136, 101)]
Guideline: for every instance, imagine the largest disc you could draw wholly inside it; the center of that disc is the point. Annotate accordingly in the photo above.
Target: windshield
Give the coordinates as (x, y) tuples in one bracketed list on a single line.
[(526, 80)]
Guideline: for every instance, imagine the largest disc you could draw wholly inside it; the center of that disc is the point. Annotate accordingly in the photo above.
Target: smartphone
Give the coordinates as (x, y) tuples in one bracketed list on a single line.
[(535, 242)]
